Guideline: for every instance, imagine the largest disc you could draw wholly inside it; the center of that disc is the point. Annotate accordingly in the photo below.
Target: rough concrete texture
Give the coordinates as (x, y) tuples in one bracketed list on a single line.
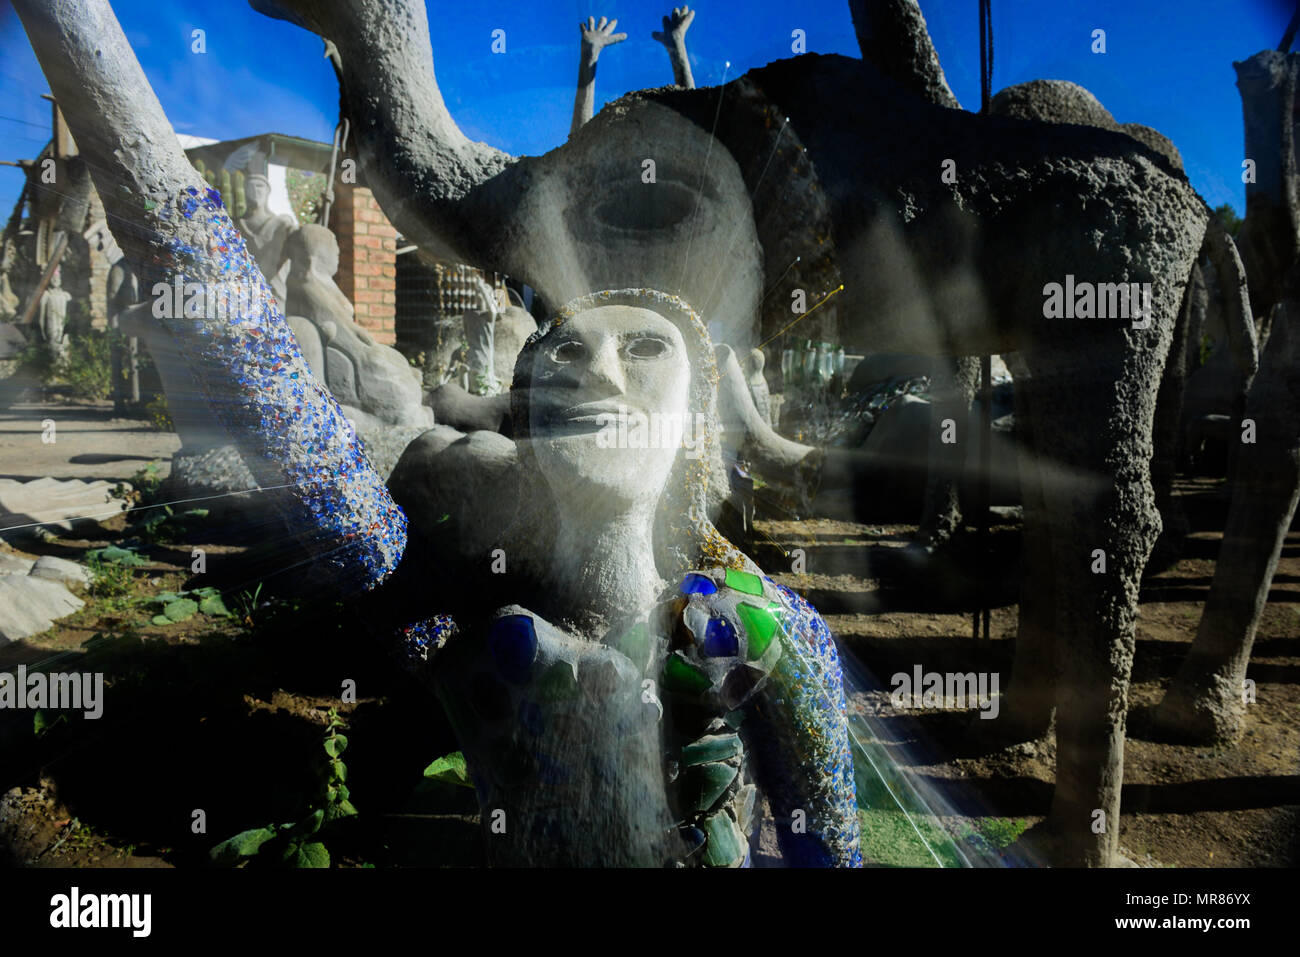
[(1052, 101), (57, 569), (54, 504), (29, 605)]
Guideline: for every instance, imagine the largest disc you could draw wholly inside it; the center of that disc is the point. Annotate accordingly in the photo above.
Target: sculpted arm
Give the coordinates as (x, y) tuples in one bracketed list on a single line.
[(595, 37), (245, 363), (673, 38)]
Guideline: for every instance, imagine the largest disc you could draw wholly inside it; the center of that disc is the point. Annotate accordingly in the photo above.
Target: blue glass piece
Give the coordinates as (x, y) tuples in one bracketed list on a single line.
[(720, 640), (513, 644), (697, 584)]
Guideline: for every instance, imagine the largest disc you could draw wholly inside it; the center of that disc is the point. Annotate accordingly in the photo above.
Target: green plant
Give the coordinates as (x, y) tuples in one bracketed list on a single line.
[(87, 369), (160, 416), (246, 605), (43, 721), (116, 555), (148, 482), (38, 362), (450, 768), (301, 844), (163, 525), (109, 581), (184, 605), (143, 487)]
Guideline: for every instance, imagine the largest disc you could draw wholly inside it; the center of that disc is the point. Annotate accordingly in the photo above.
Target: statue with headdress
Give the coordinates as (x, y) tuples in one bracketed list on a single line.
[(265, 231)]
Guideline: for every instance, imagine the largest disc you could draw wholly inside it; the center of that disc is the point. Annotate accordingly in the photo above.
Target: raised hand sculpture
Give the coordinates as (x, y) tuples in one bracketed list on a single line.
[(622, 624), (921, 260), (674, 38), (595, 37)]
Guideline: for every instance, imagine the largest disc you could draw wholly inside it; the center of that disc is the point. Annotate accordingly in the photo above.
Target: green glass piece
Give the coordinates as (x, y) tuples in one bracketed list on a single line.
[(725, 845), (681, 675), (747, 582), (703, 785), (558, 683), (734, 719), (711, 747), (760, 624)]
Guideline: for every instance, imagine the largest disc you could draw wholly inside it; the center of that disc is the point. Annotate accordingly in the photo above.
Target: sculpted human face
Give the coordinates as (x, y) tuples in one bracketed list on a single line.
[(256, 191), (601, 383)]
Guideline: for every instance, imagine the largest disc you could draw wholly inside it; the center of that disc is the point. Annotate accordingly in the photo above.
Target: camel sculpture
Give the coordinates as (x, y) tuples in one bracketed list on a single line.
[(1206, 702), (858, 187)]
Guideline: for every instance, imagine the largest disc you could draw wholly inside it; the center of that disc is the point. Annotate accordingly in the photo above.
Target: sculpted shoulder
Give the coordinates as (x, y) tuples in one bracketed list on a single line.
[(451, 483)]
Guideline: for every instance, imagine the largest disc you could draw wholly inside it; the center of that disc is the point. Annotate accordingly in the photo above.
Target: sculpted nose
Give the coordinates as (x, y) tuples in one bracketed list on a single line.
[(605, 370)]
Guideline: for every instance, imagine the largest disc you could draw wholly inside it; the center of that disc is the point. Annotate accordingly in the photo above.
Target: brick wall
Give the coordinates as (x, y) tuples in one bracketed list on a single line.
[(367, 260), (99, 267)]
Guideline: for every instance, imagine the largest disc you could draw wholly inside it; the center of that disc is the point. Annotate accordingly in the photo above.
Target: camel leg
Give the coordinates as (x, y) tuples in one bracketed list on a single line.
[(1169, 417), (953, 395), (1205, 701), (1094, 397), (1027, 707)]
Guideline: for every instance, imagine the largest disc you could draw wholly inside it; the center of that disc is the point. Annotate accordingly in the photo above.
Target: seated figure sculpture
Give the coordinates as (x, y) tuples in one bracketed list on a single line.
[(577, 613), (375, 384), (596, 619), (622, 678)]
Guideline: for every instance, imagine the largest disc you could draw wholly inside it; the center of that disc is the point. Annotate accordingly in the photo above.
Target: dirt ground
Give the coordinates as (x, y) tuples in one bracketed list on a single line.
[(1182, 806), (220, 709)]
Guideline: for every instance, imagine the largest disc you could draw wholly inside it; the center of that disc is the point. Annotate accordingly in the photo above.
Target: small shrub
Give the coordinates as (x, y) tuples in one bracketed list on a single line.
[(159, 415), (87, 369), (109, 581)]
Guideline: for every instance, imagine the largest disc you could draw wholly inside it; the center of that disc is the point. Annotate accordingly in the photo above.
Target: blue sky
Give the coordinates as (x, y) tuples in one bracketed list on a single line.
[(1167, 64)]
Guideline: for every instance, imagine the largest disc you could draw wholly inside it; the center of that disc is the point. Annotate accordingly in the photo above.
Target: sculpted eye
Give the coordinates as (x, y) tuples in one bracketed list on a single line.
[(648, 347), (567, 352)]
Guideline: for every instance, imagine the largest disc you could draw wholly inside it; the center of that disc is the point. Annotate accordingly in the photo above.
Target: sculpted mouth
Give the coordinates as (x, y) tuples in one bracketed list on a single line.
[(583, 418), (592, 410)]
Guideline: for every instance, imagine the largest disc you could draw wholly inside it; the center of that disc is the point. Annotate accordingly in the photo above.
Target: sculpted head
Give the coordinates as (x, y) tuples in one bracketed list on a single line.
[(312, 247), (257, 189), (614, 406), (599, 382)]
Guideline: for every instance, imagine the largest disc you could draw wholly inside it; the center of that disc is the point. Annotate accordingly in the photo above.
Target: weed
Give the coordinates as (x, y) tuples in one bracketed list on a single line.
[(300, 844), (87, 369), (183, 605), (143, 487), (163, 525), (109, 581), (159, 414), (246, 606)]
